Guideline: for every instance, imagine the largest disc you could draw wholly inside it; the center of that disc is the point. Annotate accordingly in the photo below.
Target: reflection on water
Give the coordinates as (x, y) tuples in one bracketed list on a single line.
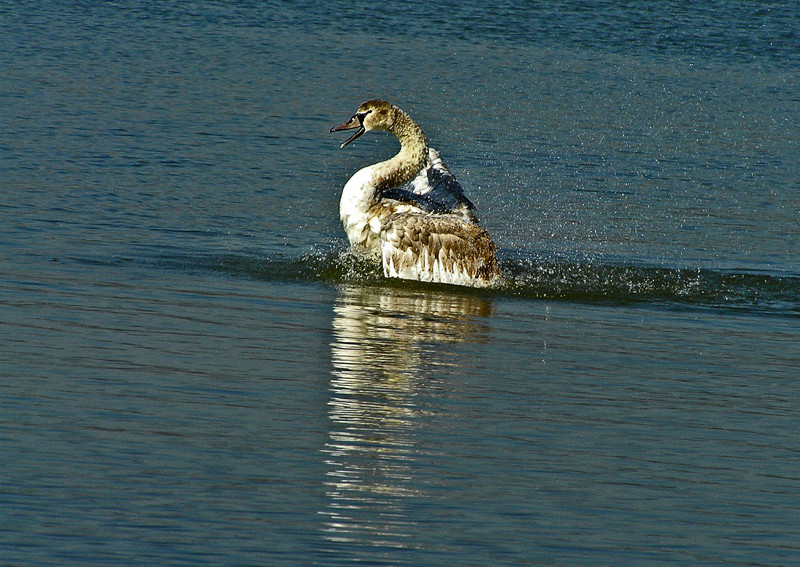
[(387, 347)]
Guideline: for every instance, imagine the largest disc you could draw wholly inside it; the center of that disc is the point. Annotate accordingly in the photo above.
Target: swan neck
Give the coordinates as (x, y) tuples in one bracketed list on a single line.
[(411, 158)]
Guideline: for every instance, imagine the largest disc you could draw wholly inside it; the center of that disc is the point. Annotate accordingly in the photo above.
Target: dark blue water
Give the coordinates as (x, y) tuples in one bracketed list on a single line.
[(193, 371)]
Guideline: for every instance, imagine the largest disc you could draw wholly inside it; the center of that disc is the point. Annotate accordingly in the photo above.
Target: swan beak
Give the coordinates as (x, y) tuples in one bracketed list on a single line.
[(354, 122)]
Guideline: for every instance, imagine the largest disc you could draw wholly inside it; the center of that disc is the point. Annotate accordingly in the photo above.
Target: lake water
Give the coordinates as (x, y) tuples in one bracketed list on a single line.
[(193, 371)]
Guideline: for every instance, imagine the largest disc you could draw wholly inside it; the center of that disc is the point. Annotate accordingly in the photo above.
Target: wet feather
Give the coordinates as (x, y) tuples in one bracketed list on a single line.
[(411, 212)]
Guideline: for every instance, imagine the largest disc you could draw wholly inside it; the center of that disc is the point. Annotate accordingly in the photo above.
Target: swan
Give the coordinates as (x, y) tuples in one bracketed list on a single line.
[(409, 211)]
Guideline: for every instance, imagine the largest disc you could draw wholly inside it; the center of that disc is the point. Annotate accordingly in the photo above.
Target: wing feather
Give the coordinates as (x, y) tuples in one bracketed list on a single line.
[(439, 248), (435, 190)]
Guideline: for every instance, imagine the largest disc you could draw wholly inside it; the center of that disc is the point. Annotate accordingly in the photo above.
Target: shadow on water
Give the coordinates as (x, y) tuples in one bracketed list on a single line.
[(385, 340), (621, 283), (537, 278)]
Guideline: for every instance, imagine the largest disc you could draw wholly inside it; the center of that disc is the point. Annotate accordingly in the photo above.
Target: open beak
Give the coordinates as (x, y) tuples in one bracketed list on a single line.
[(353, 123)]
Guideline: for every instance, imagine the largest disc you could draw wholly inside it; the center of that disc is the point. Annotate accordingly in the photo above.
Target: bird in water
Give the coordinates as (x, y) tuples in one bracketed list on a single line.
[(410, 212)]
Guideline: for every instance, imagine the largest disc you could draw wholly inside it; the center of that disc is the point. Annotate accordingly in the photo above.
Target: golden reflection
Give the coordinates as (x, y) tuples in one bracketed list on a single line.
[(387, 347)]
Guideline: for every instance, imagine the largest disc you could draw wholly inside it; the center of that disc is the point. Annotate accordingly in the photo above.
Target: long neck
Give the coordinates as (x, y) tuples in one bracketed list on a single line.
[(364, 188), (411, 158)]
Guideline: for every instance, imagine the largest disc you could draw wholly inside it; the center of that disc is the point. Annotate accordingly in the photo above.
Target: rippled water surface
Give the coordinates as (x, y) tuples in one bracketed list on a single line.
[(194, 371)]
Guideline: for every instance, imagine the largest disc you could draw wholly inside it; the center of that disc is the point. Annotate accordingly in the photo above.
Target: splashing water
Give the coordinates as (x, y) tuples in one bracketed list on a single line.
[(533, 278)]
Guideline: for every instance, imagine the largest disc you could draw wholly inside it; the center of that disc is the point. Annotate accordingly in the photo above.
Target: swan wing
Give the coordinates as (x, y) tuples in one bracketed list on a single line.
[(422, 202), (440, 186), (439, 248)]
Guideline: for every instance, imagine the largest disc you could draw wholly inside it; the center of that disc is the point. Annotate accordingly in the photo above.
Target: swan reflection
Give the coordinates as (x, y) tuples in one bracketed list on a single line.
[(386, 350)]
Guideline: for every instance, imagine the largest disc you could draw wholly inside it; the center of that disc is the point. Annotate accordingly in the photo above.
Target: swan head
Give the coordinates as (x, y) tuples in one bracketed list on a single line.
[(372, 115)]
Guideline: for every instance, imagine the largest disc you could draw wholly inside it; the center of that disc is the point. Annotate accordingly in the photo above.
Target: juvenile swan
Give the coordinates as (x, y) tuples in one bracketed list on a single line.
[(410, 211)]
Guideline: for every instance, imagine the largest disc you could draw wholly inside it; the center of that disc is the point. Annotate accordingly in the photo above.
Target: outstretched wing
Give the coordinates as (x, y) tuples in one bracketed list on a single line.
[(441, 249)]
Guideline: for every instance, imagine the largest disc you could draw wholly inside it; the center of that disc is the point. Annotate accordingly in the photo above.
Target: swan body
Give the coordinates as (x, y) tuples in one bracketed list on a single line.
[(410, 212)]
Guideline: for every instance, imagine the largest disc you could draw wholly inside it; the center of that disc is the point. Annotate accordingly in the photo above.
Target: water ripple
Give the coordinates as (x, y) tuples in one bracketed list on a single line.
[(527, 277)]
